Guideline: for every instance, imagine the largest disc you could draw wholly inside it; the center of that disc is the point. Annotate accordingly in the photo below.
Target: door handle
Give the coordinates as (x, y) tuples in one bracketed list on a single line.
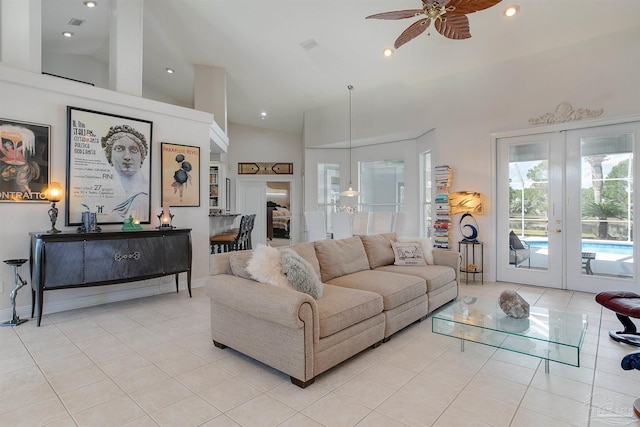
[(558, 230)]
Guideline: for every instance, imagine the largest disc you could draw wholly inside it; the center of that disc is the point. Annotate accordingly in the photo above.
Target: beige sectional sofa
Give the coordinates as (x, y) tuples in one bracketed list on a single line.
[(365, 300)]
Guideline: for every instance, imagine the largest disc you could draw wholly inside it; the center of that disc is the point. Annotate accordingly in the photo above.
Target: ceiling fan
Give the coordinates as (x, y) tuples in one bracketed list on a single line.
[(448, 16)]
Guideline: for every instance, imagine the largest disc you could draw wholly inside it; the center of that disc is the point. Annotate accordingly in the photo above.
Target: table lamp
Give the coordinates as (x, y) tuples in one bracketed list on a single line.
[(54, 195), (467, 203)]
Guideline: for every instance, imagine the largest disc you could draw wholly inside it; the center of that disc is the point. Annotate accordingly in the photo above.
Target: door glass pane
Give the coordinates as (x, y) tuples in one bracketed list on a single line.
[(607, 205), (528, 195)]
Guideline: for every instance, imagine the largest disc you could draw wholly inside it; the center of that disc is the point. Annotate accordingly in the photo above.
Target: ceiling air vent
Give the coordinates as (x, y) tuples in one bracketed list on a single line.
[(76, 22), (308, 44)]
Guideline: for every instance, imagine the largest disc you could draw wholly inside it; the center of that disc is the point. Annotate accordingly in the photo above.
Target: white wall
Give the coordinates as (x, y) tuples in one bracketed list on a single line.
[(465, 109), (44, 99)]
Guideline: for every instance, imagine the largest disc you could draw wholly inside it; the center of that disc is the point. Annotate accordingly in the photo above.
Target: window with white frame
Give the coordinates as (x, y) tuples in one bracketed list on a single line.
[(328, 189), (382, 185), (427, 214)]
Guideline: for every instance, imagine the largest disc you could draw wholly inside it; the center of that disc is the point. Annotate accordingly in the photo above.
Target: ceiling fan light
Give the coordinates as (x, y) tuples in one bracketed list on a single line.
[(511, 10)]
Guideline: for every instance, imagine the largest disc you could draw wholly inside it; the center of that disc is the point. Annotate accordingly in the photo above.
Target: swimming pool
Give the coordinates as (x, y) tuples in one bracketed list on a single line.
[(597, 246)]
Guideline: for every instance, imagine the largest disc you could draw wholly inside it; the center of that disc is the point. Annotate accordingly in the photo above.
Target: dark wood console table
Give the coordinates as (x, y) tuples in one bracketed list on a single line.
[(72, 260)]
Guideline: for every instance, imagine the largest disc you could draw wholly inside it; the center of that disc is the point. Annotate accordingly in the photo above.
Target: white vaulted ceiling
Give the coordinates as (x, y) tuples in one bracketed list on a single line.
[(258, 42)]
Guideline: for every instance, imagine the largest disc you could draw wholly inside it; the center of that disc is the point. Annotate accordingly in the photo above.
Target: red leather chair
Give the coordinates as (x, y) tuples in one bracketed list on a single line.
[(625, 305)]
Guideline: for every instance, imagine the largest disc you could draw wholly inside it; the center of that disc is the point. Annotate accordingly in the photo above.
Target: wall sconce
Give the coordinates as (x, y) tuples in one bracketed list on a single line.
[(467, 203), (166, 218), (54, 195)]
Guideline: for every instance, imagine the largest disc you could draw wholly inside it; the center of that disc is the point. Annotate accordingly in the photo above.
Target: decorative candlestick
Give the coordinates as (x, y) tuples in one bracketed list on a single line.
[(166, 218)]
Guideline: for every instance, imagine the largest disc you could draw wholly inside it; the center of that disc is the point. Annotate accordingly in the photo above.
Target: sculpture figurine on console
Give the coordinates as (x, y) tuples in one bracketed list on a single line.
[(131, 224)]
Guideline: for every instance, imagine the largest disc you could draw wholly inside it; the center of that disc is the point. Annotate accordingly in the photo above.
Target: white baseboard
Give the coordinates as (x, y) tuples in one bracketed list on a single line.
[(24, 312)]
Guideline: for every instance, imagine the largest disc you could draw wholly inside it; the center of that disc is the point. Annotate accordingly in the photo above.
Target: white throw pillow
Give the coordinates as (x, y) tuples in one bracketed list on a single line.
[(408, 253), (427, 246), (265, 266)]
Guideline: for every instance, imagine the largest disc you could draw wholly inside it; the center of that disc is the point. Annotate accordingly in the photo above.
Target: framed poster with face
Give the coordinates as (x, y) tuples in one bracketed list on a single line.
[(108, 167), (24, 161), (180, 180)]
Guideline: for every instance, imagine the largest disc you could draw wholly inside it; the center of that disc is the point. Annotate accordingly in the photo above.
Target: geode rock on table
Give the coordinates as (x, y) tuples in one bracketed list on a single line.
[(514, 305)]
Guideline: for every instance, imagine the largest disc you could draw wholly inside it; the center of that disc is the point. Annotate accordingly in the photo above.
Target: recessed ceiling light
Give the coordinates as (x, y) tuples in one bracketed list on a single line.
[(67, 34), (90, 3), (511, 10), (170, 71), (263, 115), (387, 52)]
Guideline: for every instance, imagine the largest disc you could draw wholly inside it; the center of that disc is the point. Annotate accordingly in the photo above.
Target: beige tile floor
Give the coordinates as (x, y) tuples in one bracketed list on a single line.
[(150, 362)]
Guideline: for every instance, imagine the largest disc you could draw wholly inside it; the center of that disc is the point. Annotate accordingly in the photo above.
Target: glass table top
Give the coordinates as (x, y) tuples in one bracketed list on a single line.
[(547, 333)]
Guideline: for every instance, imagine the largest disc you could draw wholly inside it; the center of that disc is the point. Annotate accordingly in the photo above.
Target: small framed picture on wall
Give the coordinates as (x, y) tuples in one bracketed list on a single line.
[(180, 181), (24, 161)]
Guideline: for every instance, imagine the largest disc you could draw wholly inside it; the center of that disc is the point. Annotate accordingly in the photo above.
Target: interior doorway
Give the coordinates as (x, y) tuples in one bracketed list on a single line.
[(278, 213)]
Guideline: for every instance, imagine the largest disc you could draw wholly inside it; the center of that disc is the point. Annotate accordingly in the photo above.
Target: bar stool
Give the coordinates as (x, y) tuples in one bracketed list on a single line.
[(15, 263)]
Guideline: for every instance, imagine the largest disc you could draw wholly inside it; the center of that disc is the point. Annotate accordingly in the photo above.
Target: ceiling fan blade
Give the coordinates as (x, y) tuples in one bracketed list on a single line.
[(462, 7), (454, 27), (397, 14), (413, 31)]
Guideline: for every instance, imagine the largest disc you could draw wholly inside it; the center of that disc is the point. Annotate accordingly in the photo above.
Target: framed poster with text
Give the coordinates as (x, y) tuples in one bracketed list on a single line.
[(108, 167), (24, 161), (180, 181)]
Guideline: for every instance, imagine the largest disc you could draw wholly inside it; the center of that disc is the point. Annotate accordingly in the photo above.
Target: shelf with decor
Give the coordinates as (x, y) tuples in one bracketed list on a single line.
[(442, 223), (214, 186)]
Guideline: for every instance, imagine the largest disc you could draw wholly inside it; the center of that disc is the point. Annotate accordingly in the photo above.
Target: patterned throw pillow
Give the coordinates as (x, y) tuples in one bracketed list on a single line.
[(408, 253), (425, 243), (300, 274)]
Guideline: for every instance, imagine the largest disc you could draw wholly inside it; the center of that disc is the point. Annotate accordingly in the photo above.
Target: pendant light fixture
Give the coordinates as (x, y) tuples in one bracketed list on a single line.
[(350, 192)]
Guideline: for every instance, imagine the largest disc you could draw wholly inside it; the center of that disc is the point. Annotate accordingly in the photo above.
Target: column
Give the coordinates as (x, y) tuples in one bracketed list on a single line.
[(210, 93), (125, 47), (21, 34)]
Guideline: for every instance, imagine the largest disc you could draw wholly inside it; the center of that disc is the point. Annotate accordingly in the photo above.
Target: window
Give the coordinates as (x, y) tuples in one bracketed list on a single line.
[(427, 214), (382, 185), (328, 189)]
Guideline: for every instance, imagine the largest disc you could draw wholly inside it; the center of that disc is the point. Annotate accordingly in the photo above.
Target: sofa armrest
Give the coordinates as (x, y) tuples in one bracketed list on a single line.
[(272, 303), (448, 258)]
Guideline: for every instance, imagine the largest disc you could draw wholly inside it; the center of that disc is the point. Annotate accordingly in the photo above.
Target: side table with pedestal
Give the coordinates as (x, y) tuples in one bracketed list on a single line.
[(472, 252), (19, 283)]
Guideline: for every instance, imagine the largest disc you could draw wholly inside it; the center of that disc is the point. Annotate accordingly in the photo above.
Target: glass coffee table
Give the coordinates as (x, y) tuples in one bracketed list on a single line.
[(547, 333)]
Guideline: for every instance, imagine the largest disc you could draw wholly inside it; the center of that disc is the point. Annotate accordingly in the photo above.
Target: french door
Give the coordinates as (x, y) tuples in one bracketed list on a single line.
[(529, 203), (569, 197)]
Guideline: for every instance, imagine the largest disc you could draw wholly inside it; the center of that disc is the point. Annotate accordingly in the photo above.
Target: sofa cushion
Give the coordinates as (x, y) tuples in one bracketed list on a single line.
[(300, 274), (395, 289), (308, 252), (238, 261), (378, 248), (408, 253), (340, 257), (341, 307), (436, 276), (265, 266)]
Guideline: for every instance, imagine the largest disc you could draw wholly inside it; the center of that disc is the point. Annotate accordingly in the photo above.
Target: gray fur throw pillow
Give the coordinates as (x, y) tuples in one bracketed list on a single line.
[(300, 274)]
